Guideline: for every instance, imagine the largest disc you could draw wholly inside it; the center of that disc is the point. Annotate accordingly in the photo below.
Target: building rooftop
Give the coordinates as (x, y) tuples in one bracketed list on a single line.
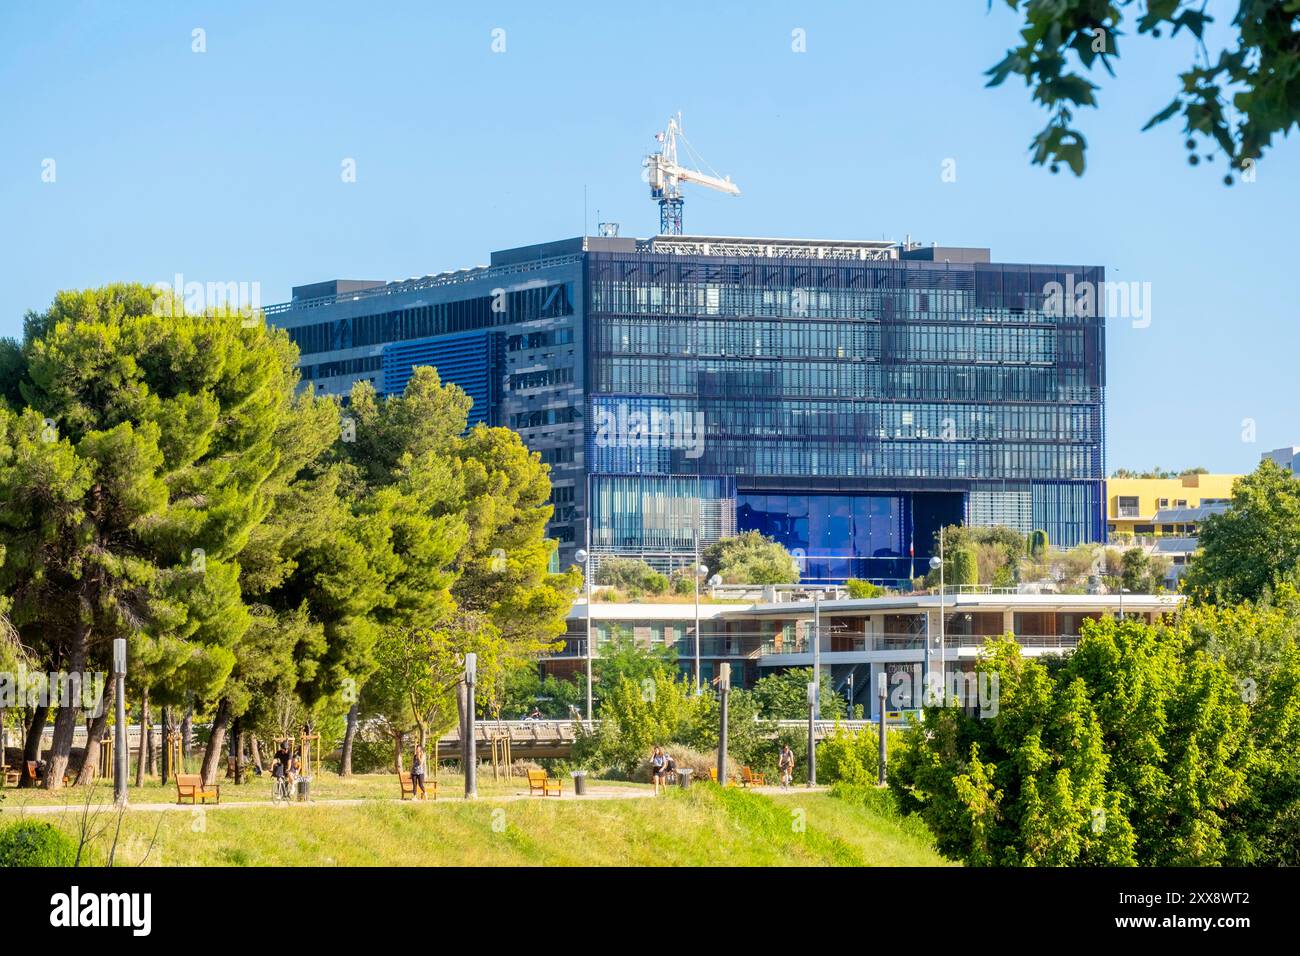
[(1189, 515), (525, 258)]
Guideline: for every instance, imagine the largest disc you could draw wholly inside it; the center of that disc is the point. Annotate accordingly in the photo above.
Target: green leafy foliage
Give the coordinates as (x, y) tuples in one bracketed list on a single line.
[(134, 464), (863, 589), (1259, 645), (631, 575), (31, 843), (1142, 573), (965, 567), (525, 688), (784, 695), (1238, 100), (1130, 751), (1254, 545), (635, 716), (751, 558)]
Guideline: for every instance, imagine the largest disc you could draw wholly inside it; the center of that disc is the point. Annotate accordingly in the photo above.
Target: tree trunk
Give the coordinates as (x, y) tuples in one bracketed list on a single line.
[(165, 757), (94, 734), (32, 745), (151, 761), (216, 742), (398, 738), (144, 738), (237, 748), (345, 760), (256, 749), (187, 736), (65, 720)]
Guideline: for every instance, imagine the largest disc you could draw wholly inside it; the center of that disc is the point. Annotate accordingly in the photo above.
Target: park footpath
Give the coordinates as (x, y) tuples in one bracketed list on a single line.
[(593, 793)]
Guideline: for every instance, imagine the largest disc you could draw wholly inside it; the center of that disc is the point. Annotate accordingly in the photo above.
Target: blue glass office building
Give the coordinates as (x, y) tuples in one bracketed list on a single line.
[(846, 398)]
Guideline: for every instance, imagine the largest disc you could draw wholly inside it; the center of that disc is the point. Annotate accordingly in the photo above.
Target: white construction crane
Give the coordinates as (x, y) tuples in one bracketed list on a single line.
[(665, 177)]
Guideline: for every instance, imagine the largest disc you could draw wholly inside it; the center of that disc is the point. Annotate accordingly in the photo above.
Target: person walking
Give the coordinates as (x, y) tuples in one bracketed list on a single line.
[(658, 767), (785, 763), (417, 774), (280, 772)]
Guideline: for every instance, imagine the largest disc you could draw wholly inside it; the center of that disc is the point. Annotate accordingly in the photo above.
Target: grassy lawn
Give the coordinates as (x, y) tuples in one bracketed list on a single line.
[(325, 786), (702, 826)]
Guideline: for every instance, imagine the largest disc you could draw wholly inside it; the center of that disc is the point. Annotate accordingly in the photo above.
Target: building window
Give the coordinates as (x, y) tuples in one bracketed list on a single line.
[(1128, 507)]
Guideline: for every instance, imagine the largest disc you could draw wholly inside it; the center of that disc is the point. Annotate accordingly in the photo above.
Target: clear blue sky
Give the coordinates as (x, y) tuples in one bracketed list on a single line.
[(225, 165)]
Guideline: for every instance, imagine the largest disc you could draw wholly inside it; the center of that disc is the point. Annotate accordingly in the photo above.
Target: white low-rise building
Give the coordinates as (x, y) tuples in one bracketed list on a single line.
[(857, 640)]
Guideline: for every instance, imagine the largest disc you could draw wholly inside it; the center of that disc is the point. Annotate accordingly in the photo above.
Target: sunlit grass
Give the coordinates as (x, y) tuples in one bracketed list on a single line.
[(324, 786), (705, 826)]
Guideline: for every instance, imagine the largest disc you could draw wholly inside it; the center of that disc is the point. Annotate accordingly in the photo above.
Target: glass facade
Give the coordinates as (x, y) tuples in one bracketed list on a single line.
[(856, 405), (835, 537), (845, 398)]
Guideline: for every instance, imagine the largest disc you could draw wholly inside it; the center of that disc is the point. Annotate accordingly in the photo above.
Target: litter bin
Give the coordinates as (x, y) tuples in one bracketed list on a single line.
[(684, 778), (579, 782), (304, 790)]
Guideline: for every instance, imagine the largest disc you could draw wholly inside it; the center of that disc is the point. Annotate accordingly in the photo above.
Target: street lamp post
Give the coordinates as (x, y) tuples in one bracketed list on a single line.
[(471, 756), (812, 734), (937, 563), (119, 731), (583, 557), (724, 692), (699, 572), (817, 653), (882, 681)]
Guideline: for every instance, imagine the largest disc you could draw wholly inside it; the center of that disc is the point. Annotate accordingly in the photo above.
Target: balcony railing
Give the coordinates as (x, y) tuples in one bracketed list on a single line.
[(851, 644), (570, 647), (685, 646), (909, 642)]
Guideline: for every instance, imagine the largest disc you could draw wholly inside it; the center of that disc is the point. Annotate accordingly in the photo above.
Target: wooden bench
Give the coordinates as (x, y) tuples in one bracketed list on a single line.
[(408, 786), (191, 785), (713, 775), (11, 775), (30, 772), (748, 778), (542, 785)]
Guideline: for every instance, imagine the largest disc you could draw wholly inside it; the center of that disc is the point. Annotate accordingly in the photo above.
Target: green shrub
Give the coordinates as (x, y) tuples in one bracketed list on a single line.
[(965, 567), (751, 558), (863, 589), (853, 757), (372, 751), (29, 843), (1038, 544), (631, 575)]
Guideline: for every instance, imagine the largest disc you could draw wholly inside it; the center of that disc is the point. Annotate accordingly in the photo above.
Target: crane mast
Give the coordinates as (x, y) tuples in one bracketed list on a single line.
[(666, 175)]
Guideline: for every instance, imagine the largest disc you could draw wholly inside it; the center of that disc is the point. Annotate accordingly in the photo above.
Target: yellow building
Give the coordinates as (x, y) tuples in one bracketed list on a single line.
[(1156, 507)]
